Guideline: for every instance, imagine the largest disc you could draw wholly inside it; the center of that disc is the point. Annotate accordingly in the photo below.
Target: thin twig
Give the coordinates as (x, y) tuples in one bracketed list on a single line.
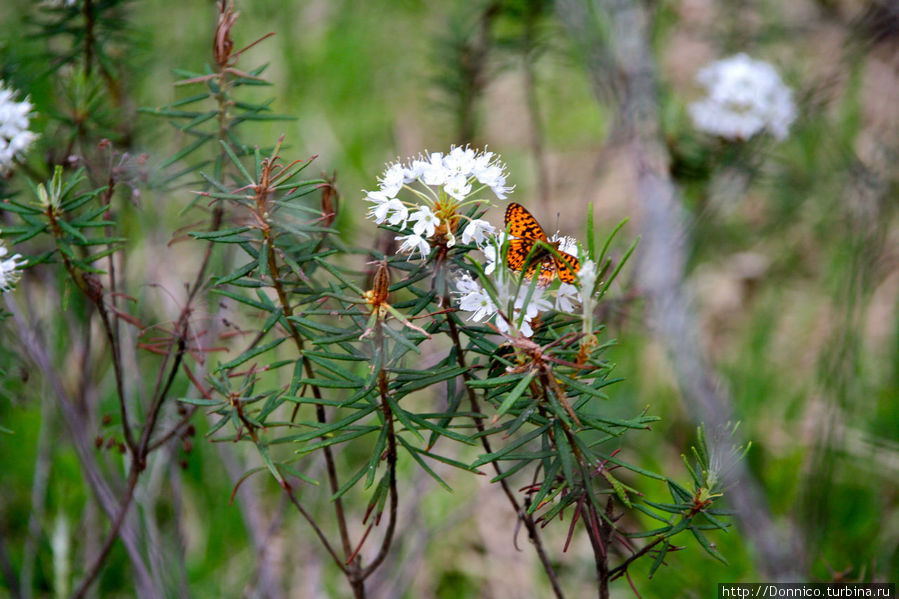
[(331, 469), (318, 531), (391, 467), (94, 570)]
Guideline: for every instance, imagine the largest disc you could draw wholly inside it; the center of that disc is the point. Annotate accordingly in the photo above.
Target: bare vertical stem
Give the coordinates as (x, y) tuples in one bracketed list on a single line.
[(87, 10), (330, 466)]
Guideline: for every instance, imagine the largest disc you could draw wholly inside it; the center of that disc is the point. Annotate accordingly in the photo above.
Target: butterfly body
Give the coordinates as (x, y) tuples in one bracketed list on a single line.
[(529, 239)]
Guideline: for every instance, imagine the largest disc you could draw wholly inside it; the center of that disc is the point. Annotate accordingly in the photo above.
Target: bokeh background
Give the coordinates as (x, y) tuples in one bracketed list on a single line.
[(792, 275)]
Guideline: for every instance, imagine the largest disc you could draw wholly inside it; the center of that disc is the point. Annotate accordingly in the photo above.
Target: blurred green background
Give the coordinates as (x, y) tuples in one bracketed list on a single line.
[(794, 276)]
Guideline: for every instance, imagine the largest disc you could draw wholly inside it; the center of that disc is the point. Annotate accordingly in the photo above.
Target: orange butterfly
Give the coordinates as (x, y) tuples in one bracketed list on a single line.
[(522, 225)]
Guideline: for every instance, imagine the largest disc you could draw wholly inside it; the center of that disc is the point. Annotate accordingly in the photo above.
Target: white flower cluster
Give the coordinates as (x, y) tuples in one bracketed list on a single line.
[(14, 134), (9, 272), (745, 97), (452, 176), (473, 298)]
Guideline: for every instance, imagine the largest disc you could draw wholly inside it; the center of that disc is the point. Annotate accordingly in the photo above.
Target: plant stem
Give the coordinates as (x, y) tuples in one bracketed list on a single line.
[(287, 309), (94, 570), (391, 463), (533, 532)]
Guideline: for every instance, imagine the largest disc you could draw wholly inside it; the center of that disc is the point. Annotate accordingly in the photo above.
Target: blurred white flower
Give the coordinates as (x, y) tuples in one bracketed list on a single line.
[(587, 278), (15, 138), (414, 242), (478, 230), (9, 269), (425, 221), (566, 295), (745, 96)]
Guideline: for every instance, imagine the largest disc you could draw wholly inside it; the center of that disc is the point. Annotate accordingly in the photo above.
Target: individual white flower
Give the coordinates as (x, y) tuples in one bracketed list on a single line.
[(465, 284), (458, 187), (524, 310), (475, 300), (393, 211), (459, 162), (566, 295), (478, 230), (481, 163), (587, 278), (534, 305), (377, 212), (450, 239), (425, 221), (745, 97), (393, 179), (433, 172), (524, 328), (494, 177), (15, 138), (414, 242), (9, 269)]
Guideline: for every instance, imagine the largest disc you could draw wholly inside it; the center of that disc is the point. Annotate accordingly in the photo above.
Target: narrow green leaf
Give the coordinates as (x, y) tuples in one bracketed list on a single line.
[(249, 354), (660, 557), (335, 440), (236, 161), (324, 429), (198, 401), (493, 382), (185, 152), (403, 416), (414, 453), (516, 392), (710, 549), (219, 234), (591, 239), (332, 384), (631, 467), (490, 457), (349, 484)]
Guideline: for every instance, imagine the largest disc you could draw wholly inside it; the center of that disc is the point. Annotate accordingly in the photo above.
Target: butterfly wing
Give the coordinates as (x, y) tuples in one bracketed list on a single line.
[(547, 271), (521, 223), (517, 253), (567, 266)]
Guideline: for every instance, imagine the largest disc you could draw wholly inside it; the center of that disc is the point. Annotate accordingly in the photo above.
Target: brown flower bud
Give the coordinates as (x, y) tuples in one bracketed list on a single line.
[(380, 286), (223, 45)]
